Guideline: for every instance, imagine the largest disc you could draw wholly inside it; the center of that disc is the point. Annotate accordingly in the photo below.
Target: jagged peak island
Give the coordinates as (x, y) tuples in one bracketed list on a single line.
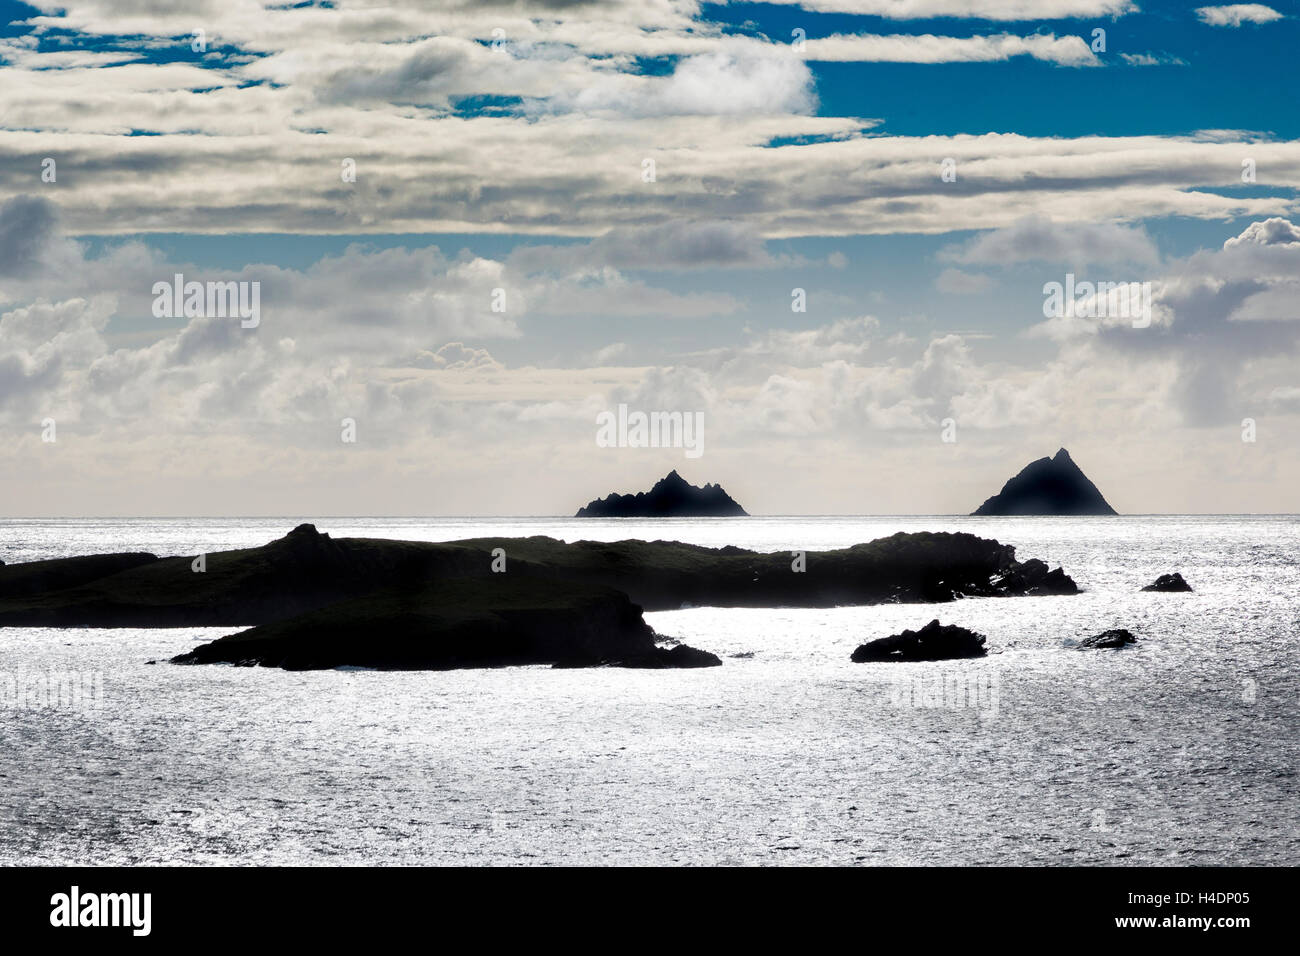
[(1048, 486), (671, 497)]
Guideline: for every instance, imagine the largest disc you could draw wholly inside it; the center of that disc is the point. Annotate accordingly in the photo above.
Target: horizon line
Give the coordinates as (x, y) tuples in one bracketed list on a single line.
[(572, 517)]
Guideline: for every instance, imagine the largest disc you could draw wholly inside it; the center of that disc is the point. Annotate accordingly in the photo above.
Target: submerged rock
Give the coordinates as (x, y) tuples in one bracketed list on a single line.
[(934, 642), (1048, 486), (1168, 582), (671, 497), (1116, 637)]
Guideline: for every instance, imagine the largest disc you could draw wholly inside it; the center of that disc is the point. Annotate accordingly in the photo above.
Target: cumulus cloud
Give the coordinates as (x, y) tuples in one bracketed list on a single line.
[(1220, 315), (394, 338), (456, 356), (1274, 231), (841, 340)]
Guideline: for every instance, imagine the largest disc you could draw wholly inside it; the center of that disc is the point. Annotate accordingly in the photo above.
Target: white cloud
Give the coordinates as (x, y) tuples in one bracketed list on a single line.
[(1219, 314), (251, 136), (926, 48), (741, 76), (972, 9), (1270, 232), (1039, 239), (168, 414), (1152, 59), (1235, 14)]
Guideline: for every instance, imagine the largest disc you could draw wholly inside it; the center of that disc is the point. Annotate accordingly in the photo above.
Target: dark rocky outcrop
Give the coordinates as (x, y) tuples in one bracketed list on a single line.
[(487, 621), (1114, 638), (671, 497), (1168, 582), (306, 570), (1048, 486), (934, 642), (680, 655), (1033, 577)]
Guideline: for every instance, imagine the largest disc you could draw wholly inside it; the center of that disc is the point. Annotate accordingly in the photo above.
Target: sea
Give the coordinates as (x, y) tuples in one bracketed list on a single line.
[(1179, 750)]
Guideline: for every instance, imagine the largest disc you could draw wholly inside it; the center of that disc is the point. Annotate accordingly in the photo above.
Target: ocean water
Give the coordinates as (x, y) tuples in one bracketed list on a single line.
[(1181, 750)]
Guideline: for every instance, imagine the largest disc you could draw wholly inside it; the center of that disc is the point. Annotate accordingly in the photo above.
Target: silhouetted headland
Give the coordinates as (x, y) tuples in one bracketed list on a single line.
[(671, 497), (315, 601), (1048, 486)]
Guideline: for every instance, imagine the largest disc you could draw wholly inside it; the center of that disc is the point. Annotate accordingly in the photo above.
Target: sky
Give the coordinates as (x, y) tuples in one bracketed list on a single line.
[(829, 227)]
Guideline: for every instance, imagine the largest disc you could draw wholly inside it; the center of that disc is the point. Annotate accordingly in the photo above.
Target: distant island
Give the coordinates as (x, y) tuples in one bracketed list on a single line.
[(671, 497), (1048, 486)]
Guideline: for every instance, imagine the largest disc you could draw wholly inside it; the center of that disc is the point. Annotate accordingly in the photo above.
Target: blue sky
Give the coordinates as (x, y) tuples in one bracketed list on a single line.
[(1215, 79), (516, 164)]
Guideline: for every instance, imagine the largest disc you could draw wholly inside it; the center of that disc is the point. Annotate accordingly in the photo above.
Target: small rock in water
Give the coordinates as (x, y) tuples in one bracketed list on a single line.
[(1116, 637), (934, 642), (1169, 582)]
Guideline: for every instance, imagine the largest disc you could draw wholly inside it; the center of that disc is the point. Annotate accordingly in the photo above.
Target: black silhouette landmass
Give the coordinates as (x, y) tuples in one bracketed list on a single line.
[(934, 642), (35, 577), (671, 497), (1048, 486), (315, 601), (493, 621)]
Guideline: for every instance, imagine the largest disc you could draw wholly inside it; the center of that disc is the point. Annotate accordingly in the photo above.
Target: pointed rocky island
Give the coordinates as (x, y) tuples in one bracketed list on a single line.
[(671, 497), (1048, 486)]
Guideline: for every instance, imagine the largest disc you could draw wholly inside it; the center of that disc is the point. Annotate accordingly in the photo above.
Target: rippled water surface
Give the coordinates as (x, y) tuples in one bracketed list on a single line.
[(1180, 750)]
